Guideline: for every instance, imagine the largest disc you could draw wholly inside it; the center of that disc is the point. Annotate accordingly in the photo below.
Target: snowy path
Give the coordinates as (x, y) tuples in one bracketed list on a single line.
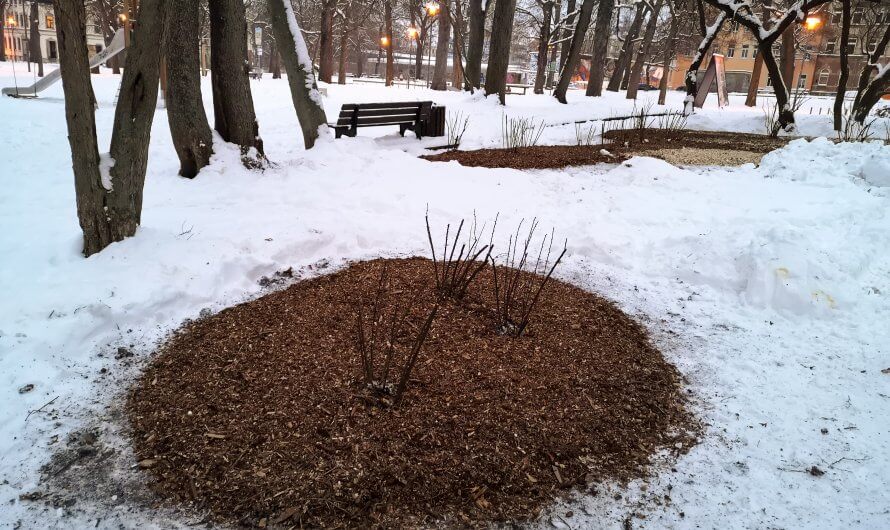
[(769, 287)]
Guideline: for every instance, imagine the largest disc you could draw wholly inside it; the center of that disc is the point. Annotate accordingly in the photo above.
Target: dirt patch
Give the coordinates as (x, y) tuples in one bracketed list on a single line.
[(537, 157), (653, 139), (676, 147), (258, 414)]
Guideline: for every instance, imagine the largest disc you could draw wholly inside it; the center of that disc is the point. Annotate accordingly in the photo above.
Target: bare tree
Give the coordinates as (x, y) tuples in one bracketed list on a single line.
[(499, 48), (106, 13), (574, 56), (326, 41), (477, 13), (234, 115), (710, 33), (35, 54), (441, 70), (643, 51), (189, 128), (304, 91), (669, 51), (544, 38), (390, 59), (845, 67), (601, 36), (627, 48), (874, 79)]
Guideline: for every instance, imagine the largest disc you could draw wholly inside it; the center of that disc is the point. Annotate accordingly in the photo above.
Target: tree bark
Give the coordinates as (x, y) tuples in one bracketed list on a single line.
[(99, 229), (418, 57), (555, 49), (344, 47), (457, 53), (574, 56), (643, 51), (34, 52), (786, 113), (3, 30), (669, 49), (601, 36), (692, 74), (499, 49), (390, 60), (543, 44), (845, 67), (133, 118), (234, 115), (275, 61), (754, 85), (870, 88), (440, 73), (326, 42), (476, 41), (624, 57), (303, 89), (189, 128), (787, 56), (571, 5)]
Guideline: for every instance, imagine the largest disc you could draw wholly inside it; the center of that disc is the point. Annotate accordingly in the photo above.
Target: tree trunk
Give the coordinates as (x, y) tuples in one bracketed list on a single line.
[(845, 67), (133, 118), (499, 49), (643, 51), (234, 116), (326, 42), (692, 74), (627, 49), (35, 53), (754, 85), (870, 88), (457, 69), (567, 33), (344, 47), (555, 49), (303, 89), (786, 113), (191, 133), (440, 73), (601, 36), (543, 44), (274, 60), (418, 57), (390, 60), (473, 71), (669, 49), (787, 57), (99, 229), (3, 30), (574, 56)]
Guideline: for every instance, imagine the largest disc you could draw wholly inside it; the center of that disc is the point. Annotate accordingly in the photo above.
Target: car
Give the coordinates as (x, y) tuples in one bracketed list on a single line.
[(646, 86)]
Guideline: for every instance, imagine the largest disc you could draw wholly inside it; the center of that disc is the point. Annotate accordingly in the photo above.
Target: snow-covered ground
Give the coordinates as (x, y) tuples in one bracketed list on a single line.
[(769, 287)]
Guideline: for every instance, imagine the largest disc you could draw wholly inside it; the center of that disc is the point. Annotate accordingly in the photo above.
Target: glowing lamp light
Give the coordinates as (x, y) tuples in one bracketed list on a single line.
[(384, 41), (412, 32), (812, 23), (10, 21), (432, 8)]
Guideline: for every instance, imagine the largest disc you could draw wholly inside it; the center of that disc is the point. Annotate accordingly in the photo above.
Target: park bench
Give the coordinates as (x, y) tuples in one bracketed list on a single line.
[(408, 115), (256, 73), (514, 88)]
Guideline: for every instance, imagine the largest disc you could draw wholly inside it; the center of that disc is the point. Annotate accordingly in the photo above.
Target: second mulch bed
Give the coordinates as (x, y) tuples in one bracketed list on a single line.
[(257, 414)]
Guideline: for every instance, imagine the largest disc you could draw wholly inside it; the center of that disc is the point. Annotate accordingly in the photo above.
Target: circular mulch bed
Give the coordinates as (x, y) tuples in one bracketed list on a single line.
[(258, 413), (534, 157)]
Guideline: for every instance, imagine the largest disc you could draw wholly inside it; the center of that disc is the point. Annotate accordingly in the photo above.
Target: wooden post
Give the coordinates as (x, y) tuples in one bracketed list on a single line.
[(127, 23), (751, 100)]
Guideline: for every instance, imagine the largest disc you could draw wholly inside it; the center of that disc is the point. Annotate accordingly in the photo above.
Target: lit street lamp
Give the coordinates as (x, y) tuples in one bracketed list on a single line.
[(432, 10)]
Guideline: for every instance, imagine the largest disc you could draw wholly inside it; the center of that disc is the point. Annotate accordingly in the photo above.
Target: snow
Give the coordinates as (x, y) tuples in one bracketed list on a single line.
[(303, 57), (768, 287)]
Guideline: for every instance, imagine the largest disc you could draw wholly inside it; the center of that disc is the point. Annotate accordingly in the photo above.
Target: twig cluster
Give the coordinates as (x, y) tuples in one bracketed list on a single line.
[(516, 291), (454, 274), (521, 132), (455, 126), (379, 337)]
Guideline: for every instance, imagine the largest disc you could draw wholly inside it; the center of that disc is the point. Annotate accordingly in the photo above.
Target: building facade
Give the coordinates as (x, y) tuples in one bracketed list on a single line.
[(17, 32)]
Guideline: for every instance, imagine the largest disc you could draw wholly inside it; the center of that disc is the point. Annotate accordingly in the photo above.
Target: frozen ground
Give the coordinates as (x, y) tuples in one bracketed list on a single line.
[(768, 287)]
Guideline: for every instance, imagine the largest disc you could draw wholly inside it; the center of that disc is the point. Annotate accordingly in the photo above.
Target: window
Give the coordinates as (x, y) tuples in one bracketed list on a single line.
[(831, 46), (851, 46), (50, 22), (857, 15), (802, 81), (872, 44), (53, 49), (730, 52), (745, 50), (756, 51), (822, 80), (836, 17)]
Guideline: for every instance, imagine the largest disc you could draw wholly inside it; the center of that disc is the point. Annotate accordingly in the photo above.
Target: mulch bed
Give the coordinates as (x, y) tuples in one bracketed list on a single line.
[(258, 414), (537, 157), (621, 145), (651, 139)]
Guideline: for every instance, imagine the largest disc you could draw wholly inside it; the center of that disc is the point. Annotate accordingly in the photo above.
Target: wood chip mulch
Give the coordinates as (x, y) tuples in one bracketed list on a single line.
[(258, 416), (672, 139), (537, 157)]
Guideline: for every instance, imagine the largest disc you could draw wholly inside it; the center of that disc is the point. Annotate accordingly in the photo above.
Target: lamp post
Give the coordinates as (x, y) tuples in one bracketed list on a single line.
[(25, 37), (412, 33), (432, 9)]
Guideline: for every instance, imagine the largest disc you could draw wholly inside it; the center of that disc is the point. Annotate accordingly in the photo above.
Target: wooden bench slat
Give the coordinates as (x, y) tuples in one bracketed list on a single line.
[(380, 120), (408, 115), (393, 105), (380, 112)]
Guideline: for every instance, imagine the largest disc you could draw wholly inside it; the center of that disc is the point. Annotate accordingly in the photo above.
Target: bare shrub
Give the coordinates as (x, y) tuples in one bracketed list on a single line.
[(672, 121), (852, 130), (585, 138), (455, 126), (454, 274), (382, 336), (517, 284), (521, 132)]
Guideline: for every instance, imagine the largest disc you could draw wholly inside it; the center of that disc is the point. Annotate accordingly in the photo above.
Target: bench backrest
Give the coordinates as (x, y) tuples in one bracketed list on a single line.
[(363, 114)]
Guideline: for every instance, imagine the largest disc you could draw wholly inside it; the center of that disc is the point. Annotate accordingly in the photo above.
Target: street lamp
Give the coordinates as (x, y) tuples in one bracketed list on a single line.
[(812, 23), (384, 41), (432, 10)]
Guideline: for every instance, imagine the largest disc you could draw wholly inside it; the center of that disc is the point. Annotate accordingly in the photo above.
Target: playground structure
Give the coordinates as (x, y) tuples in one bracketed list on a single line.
[(117, 45)]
